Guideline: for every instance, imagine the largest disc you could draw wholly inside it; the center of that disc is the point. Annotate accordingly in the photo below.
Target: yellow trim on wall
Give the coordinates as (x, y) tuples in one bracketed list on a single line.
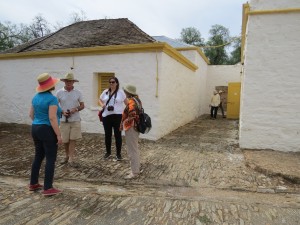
[(104, 50), (179, 57), (157, 75), (247, 12), (246, 9), (274, 11), (198, 49)]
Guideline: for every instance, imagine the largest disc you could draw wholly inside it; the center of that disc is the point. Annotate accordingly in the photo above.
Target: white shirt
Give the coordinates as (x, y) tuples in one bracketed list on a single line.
[(69, 100), (116, 102), (215, 100)]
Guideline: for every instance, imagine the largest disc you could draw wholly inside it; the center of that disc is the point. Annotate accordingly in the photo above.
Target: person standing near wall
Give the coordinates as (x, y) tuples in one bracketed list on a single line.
[(222, 100), (130, 118), (112, 100), (45, 113), (71, 102), (214, 104)]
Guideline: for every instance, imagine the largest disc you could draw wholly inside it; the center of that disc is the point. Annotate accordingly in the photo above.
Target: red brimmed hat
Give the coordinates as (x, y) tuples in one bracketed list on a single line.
[(46, 82)]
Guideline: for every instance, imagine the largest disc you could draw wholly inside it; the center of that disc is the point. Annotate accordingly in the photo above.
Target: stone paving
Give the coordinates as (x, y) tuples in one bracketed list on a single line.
[(195, 175)]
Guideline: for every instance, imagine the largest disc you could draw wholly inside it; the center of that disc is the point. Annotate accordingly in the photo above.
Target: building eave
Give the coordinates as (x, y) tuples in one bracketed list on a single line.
[(105, 50), (196, 49)]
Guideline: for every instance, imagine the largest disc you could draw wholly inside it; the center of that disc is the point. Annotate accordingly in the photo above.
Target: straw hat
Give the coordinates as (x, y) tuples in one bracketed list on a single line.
[(130, 89), (69, 76), (46, 82)]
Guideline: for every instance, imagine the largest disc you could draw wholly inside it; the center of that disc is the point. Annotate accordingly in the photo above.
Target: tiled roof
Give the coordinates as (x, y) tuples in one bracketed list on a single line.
[(91, 33)]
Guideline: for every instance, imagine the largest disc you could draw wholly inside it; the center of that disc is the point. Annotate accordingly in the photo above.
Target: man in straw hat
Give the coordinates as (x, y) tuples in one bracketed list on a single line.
[(45, 113), (71, 102), (214, 104)]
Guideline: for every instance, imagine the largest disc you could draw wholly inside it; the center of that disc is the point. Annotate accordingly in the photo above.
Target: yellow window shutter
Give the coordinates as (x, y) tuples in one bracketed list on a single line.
[(103, 81)]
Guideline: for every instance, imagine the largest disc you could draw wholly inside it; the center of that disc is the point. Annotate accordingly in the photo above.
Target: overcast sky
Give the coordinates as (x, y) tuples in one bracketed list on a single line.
[(155, 17)]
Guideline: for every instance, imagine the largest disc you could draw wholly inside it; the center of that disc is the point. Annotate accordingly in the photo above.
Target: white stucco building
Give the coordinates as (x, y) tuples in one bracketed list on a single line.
[(172, 82), (270, 109), (175, 82)]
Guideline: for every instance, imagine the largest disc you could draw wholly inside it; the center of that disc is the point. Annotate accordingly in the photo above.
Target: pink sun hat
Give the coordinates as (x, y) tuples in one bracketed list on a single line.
[(46, 82)]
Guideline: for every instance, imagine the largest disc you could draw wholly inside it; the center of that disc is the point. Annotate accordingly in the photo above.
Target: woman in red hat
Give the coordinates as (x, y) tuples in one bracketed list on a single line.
[(45, 113)]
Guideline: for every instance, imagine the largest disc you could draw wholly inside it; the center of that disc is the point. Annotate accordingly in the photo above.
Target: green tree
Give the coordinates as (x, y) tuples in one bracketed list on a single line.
[(191, 36), (11, 35), (235, 55), (24, 34), (39, 27), (216, 52), (6, 40)]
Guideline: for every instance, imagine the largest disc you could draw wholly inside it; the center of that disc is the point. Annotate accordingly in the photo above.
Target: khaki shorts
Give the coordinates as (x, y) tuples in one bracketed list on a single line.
[(70, 131)]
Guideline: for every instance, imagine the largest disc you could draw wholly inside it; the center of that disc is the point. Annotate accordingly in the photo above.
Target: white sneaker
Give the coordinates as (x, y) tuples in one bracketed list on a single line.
[(131, 176)]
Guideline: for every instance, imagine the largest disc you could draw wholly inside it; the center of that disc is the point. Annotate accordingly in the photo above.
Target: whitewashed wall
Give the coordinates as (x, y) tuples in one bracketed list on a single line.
[(138, 69), (179, 92), (201, 75), (220, 75), (270, 116), (178, 87), (18, 82)]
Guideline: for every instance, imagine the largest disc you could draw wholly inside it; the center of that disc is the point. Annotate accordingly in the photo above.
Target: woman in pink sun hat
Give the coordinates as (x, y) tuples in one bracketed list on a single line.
[(45, 113)]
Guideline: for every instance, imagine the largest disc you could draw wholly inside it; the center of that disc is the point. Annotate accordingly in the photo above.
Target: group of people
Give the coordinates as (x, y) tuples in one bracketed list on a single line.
[(117, 118), (216, 102), (112, 101), (56, 120)]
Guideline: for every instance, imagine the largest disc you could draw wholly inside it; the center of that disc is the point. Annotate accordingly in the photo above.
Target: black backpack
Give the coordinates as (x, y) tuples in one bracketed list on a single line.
[(144, 124)]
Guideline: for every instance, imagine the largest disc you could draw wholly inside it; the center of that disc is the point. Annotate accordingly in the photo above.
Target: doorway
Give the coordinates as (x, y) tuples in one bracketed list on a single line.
[(233, 100), (223, 97)]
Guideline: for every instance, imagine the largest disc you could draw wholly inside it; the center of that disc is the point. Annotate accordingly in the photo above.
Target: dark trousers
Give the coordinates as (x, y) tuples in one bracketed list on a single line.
[(45, 143), (213, 111), (222, 110), (113, 122)]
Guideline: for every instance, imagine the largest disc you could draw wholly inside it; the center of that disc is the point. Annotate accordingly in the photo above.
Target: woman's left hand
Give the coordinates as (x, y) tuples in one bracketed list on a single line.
[(59, 140)]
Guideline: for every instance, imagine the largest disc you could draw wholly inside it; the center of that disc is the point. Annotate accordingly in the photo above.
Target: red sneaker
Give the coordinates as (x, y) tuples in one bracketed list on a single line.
[(51, 191), (35, 187)]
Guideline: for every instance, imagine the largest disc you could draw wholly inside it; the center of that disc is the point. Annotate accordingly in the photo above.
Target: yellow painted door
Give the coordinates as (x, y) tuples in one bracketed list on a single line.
[(233, 100)]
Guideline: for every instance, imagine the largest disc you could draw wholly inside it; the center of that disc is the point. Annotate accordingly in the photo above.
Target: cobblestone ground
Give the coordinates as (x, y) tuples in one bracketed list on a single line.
[(195, 175)]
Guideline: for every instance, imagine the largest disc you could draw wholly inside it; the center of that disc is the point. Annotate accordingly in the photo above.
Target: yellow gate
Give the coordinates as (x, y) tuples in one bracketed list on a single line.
[(233, 100)]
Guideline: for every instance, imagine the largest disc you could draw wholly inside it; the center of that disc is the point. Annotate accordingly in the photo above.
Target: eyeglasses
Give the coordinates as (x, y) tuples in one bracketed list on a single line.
[(112, 82)]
